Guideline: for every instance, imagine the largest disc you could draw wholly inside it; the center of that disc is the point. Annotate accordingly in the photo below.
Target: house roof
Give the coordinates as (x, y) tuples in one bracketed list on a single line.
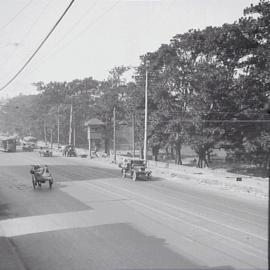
[(29, 138), (94, 122)]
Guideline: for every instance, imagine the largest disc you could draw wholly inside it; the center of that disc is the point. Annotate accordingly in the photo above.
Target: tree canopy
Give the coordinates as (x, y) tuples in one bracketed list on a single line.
[(207, 89)]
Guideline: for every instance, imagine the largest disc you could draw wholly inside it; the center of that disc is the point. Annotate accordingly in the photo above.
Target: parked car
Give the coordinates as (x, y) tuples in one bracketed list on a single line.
[(45, 152), (134, 168), (69, 151), (27, 147)]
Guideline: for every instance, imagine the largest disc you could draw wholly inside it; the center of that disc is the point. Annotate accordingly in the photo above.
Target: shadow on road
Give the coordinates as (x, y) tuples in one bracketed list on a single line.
[(110, 246)]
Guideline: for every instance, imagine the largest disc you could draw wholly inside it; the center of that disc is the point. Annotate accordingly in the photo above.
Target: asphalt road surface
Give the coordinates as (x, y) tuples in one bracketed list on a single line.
[(93, 219)]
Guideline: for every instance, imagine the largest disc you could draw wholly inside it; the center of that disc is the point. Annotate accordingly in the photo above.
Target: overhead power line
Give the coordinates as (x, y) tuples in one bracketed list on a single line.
[(15, 16), (60, 47), (25, 35), (39, 47), (212, 121)]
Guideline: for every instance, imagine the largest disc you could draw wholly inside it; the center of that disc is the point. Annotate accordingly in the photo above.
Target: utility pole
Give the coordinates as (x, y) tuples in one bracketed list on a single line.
[(51, 138), (74, 130), (114, 136), (70, 122), (89, 140), (58, 127), (133, 134), (146, 111), (45, 133), (267, 107)]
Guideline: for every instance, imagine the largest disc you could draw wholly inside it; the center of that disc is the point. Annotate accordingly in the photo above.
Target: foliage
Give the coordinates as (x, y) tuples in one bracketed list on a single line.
[(206, 88)]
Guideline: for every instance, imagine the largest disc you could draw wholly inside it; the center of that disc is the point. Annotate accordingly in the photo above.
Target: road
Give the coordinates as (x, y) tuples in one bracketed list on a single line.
[(93, 219)]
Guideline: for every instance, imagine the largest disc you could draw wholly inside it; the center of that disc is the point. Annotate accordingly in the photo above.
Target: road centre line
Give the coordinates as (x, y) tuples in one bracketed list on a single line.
[(192, 224), (187, 212)]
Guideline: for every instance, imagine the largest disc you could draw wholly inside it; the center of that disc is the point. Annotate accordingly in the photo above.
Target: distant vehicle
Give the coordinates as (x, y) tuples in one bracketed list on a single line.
[(69, 151), (30, 141), (134, 168), (8, 144), (27, 147), (45, 152)]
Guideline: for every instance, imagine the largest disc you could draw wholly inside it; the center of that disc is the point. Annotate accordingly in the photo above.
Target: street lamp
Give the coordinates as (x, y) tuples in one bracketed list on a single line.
[(147, 63)]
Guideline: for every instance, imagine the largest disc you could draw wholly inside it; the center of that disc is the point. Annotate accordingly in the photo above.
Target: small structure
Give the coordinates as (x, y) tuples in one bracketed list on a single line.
[(8, 143), (95, 131)]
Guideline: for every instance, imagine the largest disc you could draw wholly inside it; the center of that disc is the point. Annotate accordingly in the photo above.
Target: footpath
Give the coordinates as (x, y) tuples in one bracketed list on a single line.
[(214, 179)]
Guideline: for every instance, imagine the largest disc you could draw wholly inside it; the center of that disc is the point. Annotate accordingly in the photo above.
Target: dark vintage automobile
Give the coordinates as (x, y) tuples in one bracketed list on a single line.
[(45, 152), (69, 151), (41, 175), (27, 147), (134, 168)]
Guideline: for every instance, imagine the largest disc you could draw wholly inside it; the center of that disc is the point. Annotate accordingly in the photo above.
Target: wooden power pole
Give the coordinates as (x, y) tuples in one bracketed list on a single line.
[(114, 136)]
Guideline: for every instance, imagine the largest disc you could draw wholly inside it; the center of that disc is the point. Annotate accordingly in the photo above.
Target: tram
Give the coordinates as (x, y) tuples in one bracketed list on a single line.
[(7, 144)]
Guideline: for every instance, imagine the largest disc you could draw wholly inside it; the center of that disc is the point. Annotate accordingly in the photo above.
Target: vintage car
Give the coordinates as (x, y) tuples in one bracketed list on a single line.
[(69, 151), (45, 152), (134, 168), (27, 147)]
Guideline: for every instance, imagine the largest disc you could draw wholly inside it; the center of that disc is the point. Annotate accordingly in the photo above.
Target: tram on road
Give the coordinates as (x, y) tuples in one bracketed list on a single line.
[(7, 144)]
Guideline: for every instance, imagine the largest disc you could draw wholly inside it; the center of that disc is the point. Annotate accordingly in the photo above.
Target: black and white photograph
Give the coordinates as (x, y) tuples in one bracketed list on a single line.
[(134, 134)]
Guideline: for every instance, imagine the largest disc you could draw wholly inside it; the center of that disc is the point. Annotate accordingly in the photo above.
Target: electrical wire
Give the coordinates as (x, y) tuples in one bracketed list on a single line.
[(39, 47), (90, 8), (4, 61), (207, 121), (15, 16), (211, 121), (68, 43)]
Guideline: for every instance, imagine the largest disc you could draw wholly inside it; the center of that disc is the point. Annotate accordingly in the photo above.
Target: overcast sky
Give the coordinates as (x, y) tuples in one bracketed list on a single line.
[(95, 35)]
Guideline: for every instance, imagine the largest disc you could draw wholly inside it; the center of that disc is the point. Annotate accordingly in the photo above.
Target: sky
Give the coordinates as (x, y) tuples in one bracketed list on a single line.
[(95, 35)]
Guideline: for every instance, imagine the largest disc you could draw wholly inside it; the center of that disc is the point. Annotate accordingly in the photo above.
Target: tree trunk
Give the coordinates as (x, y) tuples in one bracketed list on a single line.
[(107, 146), (206, 164), (178, 158), (155, 151), (209, 156), (167, 151), (202, 161), (172, 153)]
